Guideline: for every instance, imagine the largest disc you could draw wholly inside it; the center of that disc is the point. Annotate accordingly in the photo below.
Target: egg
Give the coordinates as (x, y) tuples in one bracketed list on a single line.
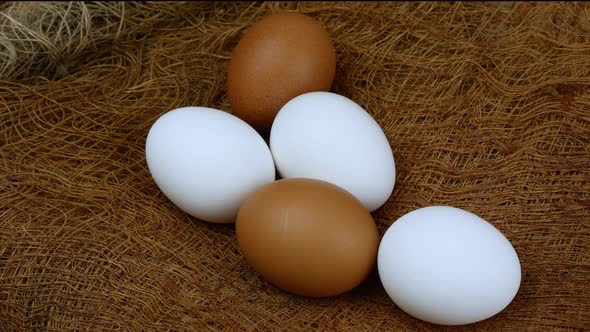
[(326, 136), (280, 57), (307, 237), (207, 162), (448, 266)]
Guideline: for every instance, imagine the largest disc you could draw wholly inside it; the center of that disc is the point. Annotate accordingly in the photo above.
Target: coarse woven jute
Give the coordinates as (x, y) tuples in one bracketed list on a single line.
[(486, 107)]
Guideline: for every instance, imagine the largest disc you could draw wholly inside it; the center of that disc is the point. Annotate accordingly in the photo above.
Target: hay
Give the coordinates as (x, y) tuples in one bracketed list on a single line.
[(486, 106)]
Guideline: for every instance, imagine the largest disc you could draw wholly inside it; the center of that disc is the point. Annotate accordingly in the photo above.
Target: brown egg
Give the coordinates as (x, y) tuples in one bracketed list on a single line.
[(280, 57), (308, 237)]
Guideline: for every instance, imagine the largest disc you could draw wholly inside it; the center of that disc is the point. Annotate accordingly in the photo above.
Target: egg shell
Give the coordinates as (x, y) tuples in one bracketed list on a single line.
[(308, 237), (448, 266), (280, 57), (326, 136), (207, 161)]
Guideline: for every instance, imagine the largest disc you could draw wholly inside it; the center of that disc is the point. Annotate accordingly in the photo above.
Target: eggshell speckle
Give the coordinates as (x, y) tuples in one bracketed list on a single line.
[(280, 57)]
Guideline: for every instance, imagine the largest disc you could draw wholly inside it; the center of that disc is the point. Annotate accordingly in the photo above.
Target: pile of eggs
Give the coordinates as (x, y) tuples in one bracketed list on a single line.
[(311, 233)]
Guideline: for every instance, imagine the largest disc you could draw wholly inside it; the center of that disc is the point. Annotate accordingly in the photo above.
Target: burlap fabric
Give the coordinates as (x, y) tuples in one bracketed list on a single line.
[(486, 107)]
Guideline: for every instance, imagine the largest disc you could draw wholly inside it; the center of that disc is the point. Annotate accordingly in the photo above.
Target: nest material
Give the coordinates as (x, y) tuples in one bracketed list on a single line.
[(486, 106)]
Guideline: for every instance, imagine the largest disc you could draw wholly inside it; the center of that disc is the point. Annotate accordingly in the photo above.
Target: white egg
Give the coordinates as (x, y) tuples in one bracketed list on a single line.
[(448, 266), (207, 161), (325, 136)]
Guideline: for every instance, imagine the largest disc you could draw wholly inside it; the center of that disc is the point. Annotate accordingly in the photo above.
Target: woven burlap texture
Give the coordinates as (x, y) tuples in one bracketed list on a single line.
[(486, 107)]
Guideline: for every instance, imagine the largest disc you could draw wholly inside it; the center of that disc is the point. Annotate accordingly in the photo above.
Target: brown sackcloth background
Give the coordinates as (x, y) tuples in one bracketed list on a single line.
[(486, 107)]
